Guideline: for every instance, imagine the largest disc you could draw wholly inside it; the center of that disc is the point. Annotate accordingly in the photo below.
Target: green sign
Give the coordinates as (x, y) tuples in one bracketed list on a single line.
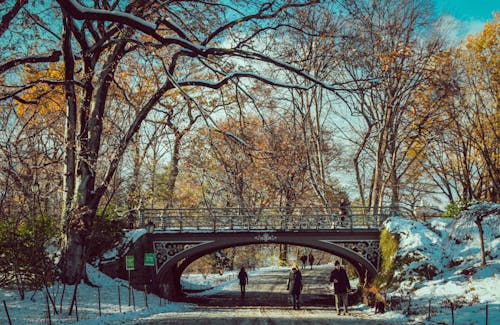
[(149, 259), (129, 262)]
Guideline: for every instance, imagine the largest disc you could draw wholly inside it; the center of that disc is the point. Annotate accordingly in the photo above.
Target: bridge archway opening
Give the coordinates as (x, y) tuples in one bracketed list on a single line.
[(177, 266)]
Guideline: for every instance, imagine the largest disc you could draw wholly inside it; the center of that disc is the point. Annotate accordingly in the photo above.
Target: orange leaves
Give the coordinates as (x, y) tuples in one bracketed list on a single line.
[(392, 56), (47, 92)]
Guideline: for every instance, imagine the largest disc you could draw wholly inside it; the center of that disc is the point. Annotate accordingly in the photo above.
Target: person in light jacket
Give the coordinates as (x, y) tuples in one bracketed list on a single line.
[(294, 285), (341, 286)]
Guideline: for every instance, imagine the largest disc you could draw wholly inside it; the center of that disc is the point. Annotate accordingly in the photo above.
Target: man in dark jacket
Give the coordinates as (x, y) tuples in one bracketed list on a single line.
[(243, 276), (303, 259), (294, 285), (341, 285), (311, 260)]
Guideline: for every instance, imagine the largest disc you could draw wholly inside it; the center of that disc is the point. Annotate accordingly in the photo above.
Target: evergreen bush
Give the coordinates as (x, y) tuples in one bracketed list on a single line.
[(454, 208), (107, 232), (25, 263)]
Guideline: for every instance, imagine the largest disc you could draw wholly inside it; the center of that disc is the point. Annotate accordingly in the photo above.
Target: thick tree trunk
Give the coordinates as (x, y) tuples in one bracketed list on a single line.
[(71, 123), (74, 258), (174, 170)]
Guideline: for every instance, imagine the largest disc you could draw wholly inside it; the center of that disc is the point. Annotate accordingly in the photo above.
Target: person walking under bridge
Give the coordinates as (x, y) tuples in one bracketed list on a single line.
[(341, 287)]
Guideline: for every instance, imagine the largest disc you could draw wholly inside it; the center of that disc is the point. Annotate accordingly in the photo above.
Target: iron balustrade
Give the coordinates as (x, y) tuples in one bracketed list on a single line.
[(269, 218)]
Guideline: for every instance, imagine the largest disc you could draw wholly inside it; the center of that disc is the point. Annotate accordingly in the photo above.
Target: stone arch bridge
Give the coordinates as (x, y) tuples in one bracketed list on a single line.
[(178, 237)]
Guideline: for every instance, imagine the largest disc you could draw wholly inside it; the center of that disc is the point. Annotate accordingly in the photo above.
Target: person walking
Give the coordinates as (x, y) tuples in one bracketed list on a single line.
[(344, 212), (243, 276), (303, 259), (341, 286), (311, 260), (294, 285)]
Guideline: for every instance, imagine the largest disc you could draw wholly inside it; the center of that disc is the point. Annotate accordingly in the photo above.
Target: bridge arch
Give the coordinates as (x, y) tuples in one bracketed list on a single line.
[(345, 245)]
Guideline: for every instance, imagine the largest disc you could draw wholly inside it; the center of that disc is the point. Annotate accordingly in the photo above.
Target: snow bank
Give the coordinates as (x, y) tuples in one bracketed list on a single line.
[(115, 306), (452, 247)]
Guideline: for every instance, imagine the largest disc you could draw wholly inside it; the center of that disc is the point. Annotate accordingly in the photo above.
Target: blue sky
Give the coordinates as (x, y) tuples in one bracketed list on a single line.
[(466, 16), (467, 10)]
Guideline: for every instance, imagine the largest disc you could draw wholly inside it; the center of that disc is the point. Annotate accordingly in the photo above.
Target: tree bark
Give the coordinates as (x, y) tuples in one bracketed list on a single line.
[(479, 223)]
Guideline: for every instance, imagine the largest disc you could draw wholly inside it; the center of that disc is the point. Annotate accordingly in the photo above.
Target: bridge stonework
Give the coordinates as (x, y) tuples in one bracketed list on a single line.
[(174, 252)]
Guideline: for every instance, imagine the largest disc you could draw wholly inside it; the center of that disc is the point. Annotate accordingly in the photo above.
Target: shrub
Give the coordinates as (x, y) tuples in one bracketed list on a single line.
[(454, 208), (24, 261), (388, 248), (107, 232)]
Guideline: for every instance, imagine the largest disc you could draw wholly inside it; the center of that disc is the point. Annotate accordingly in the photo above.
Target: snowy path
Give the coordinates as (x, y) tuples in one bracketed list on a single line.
[(266, 302)]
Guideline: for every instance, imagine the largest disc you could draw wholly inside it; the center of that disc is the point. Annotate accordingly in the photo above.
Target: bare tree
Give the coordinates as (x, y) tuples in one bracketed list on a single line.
[(210, 36), (388, 46)]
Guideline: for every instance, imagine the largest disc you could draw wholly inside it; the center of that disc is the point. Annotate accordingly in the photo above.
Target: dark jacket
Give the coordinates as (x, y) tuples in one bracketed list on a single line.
[(294, 282), (342, 285), (243, 276), (311, 259)]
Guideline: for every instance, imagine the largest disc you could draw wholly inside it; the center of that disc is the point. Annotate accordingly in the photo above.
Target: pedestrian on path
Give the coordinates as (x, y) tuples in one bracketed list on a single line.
[(341, 286), (344, 211), (311, 260), (294, 285), (243, 276), (303, 259)]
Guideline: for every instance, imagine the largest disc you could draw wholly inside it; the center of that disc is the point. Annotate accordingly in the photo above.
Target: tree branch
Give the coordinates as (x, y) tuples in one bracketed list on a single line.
[(53, 57), (7, 18)]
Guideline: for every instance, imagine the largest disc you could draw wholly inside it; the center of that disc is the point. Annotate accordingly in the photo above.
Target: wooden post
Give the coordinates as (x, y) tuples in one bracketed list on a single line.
[(146, 295), (133, 298), (119, 299), (99, 300), (409, 305), (129, 288), (452, 313), (62, 297), (7, 312), (76, 309), (486, 313), (429, 315), (48, 308)]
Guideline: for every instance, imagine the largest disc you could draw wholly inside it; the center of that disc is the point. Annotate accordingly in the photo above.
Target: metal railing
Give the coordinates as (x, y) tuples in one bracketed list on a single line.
[(269, 218)]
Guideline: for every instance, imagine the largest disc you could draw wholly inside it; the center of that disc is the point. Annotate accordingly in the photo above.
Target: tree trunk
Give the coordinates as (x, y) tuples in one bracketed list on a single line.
[(74, 258), (479, 223)]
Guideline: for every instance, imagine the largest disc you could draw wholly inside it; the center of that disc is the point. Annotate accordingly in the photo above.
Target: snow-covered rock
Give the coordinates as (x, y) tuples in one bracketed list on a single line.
[(452, 247)]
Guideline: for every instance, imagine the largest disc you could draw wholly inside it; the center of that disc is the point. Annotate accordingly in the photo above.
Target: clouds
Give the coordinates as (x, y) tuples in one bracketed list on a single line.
[(457, 30)]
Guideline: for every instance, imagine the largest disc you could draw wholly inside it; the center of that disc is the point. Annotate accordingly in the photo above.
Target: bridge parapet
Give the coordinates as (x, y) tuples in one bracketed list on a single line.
[(258, 219)]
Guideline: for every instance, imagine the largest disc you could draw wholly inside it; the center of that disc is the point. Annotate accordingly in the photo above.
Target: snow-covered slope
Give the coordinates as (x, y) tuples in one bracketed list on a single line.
[(440, 265)]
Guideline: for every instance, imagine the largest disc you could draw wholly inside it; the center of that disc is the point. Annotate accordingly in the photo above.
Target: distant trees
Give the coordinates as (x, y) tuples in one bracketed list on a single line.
[(462, 158), (389, 59), (249, 164)]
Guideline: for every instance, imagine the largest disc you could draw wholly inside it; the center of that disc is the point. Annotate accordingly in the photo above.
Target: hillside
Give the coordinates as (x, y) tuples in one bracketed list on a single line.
[(437, 265)]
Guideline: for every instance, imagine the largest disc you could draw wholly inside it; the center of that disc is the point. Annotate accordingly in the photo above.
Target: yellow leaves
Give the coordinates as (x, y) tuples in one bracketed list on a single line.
[(47, 93), (390, 57), (488, 37), (482, 52)]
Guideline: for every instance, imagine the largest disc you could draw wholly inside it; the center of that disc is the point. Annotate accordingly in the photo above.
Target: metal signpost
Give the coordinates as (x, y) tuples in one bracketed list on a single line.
[(129, 266)]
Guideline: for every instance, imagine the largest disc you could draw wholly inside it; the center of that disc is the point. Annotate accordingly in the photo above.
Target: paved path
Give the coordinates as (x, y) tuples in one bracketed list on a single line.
[(266, 302)]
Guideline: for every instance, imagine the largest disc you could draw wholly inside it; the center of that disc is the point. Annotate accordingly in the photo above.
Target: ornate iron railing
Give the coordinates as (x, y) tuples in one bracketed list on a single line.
[(258, 219)]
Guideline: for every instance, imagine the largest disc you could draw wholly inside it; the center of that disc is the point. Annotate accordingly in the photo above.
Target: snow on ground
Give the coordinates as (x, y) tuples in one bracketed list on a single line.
[(450, 245), (114, 307), (214, 284)]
